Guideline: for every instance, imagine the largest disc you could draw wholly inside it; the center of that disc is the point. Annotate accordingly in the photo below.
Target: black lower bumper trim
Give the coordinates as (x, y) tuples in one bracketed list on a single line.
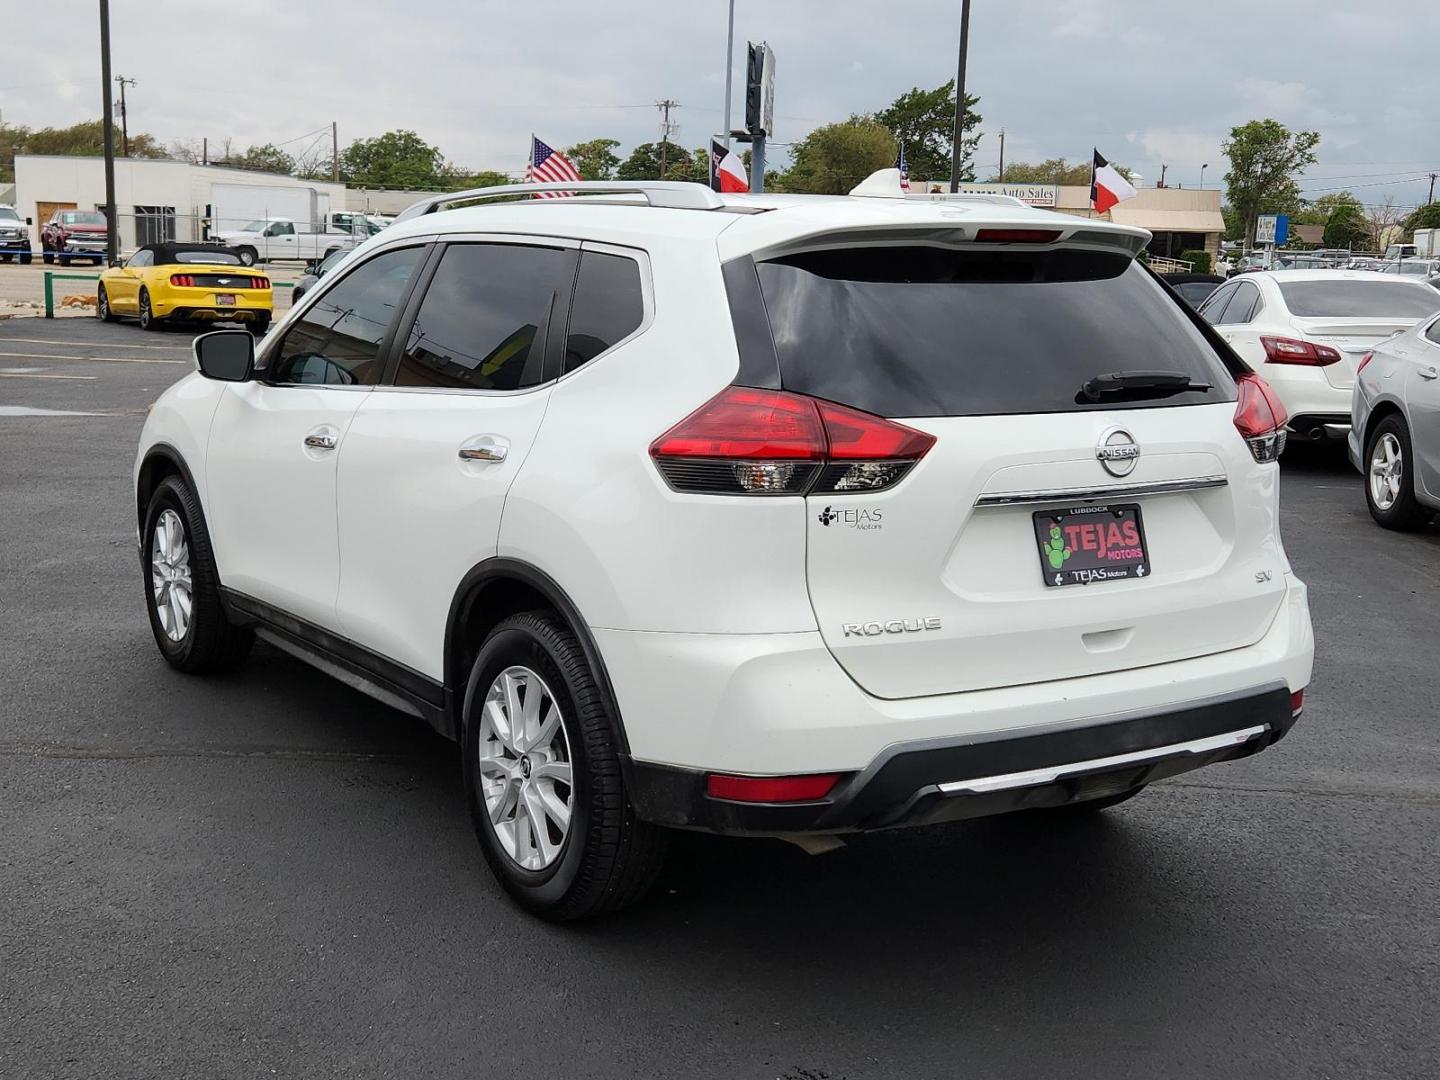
[(903, 785)]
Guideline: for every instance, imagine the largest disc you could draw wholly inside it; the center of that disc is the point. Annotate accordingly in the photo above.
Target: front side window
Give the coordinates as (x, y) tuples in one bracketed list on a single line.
[(480, 326), (141, 258), (280, 228), (608, 306), (337, 342)]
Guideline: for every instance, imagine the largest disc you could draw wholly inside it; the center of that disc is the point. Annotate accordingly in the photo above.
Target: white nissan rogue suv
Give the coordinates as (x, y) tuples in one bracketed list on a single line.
[(775, 515)]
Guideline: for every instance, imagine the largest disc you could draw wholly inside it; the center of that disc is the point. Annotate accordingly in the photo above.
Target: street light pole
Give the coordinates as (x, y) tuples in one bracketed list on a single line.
[(1202, 173), (729, 68), (960, 96), (112, 239)]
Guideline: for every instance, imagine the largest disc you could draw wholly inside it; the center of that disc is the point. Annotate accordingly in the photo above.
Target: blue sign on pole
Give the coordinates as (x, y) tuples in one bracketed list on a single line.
[(1282, 229)]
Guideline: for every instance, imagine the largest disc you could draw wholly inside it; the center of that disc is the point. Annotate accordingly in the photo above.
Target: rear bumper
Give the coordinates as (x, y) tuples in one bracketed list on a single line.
[(932, 782)]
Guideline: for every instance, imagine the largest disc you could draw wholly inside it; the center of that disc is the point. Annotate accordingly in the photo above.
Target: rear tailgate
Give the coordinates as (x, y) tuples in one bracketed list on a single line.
[(939, 585)]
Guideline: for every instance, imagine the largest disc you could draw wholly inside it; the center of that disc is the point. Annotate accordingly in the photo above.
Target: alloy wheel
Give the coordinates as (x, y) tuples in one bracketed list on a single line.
[(102, 306), (525, 768), (170, 579), (1387, 471), (145, 313)]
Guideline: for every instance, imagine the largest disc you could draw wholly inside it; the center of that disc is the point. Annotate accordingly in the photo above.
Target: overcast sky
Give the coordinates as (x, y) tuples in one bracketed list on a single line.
[(1147, 81)]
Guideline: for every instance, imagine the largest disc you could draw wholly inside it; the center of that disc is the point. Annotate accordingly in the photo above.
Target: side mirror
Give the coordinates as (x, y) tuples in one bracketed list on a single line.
[(29, 221), (312, 266), (226, 355)]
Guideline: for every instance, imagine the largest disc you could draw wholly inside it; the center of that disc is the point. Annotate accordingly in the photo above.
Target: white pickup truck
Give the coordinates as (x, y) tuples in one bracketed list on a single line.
[(271, 239)]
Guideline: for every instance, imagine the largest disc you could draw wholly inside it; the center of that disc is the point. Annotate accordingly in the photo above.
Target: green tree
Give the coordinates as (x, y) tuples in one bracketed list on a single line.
[(397, 159), (1346, 226), (833, 158), (1318, 211), (1427, 217), (924, 120), (595, 159), (456, 179), (86, 138), (265, 158), (1053, 171), (1265, 157), (644, 163)]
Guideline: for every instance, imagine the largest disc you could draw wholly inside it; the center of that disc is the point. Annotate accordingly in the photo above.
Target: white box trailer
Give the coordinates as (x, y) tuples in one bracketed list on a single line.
[(1427, 243), (233, 206)]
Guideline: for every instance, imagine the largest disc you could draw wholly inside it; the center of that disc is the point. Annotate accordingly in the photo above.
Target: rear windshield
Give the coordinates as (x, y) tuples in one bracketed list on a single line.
[(209, 257), (1358, 299), (915, 331)]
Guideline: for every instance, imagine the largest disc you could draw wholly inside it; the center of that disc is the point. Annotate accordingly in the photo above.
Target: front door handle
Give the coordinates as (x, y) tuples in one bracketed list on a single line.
[(321, 440), (1429, 373)]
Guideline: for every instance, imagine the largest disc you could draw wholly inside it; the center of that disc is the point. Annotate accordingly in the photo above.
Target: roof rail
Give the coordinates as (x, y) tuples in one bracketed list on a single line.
[(675, 194)]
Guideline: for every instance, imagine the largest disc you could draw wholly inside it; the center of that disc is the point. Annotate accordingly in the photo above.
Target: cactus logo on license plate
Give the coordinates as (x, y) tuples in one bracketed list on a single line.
[(1087, 544)]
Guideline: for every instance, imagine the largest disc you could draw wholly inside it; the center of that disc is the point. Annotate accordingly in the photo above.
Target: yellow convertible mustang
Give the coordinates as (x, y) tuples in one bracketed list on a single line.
[(164, 283)]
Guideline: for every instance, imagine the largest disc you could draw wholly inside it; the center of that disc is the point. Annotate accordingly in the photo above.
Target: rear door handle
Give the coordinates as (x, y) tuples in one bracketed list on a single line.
[(484, 448), (321, 440)]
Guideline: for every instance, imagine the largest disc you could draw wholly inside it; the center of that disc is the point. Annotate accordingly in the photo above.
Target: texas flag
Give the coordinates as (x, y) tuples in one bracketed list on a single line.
[(1107, 186), (727, 171)]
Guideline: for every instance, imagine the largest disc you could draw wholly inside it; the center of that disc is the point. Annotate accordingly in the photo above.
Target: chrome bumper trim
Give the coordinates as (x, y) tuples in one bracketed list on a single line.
[(1089, 494), (1035, 777)]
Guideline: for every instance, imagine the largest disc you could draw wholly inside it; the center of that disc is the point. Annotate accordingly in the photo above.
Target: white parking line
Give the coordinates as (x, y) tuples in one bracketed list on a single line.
[(76, 378), (97, 359), (108, 345)]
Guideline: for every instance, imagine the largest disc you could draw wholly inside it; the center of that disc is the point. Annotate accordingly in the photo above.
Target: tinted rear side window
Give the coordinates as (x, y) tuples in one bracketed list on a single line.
[(609, 306), (1358, 299), (911, 331), (480, 324)]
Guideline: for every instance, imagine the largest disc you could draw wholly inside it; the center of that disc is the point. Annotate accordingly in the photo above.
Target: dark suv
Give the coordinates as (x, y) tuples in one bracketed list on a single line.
[(74, 234)]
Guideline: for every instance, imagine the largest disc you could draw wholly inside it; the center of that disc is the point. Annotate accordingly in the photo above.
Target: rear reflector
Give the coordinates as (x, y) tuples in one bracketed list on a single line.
[(1280, 350), (749, 441), (1017, 236), (770, 789), (1259, 417), (1297, 702)]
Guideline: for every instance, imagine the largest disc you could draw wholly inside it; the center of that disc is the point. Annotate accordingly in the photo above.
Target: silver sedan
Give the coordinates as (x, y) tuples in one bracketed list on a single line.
[(1395, 433)]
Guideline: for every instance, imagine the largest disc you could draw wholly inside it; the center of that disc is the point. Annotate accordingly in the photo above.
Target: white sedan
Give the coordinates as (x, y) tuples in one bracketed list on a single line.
[(1306, 330)]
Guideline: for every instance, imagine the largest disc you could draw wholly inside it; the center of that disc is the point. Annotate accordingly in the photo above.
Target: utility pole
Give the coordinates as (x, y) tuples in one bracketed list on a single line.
[(1163, 167), (1002, 155), (665, 129), (960, 97), (205, 150), (334, 150), (112, 246), (1432, 189), (124, 120), (729, 68)]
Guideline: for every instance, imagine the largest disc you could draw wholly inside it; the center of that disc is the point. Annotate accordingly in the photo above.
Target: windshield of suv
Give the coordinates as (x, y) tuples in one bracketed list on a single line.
[(916, 331), (82, 217), (1358, 299), (6, 214)]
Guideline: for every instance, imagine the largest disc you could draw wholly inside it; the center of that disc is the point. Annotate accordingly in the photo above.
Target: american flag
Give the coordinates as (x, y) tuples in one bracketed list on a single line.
[(546, 166), (904, 167)]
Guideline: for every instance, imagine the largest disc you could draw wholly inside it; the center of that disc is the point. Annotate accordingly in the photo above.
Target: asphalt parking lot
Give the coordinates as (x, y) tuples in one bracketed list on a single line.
[(270, 874)]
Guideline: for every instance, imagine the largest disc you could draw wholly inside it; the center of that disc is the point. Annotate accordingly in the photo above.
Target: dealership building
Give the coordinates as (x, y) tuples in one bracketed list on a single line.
[(1181, 219)]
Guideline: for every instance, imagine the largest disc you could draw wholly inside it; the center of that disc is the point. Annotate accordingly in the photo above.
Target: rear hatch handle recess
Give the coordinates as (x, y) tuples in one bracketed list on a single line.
[(1137, 384)]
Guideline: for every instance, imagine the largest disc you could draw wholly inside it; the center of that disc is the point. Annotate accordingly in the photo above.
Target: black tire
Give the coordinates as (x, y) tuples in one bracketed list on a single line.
[(48, 257), (248, 255), (211, 642), (1091, 806), (102, 306), (1404, 513), (148, 319), (25, 258), (609, 858), (64, 259), (6, 258), (259, 326)]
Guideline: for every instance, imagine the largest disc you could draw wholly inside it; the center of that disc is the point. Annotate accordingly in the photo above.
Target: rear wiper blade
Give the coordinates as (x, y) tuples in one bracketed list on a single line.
[(1138, 384)]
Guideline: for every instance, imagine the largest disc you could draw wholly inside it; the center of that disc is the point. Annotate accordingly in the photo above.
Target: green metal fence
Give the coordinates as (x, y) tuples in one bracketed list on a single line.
[(51, 277)]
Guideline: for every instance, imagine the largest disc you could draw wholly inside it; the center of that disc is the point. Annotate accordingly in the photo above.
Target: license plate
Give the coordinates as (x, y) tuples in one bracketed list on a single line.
[(225, 298), (1085, 544)]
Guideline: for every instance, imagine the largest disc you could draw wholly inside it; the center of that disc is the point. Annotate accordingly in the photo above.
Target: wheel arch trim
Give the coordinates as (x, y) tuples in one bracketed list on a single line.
[(500, 568), (161, 451)]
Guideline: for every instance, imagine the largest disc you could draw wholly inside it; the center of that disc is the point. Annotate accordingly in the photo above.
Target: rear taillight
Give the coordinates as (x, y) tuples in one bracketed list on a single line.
[(1363, 361), (770, 789), (1017, 236), (259, 283), (1284, 350), (1259, 417), (748, 441), (183, 281)]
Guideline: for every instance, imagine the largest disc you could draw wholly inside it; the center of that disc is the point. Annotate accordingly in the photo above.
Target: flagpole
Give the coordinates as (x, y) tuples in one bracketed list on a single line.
[(729, 69)]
